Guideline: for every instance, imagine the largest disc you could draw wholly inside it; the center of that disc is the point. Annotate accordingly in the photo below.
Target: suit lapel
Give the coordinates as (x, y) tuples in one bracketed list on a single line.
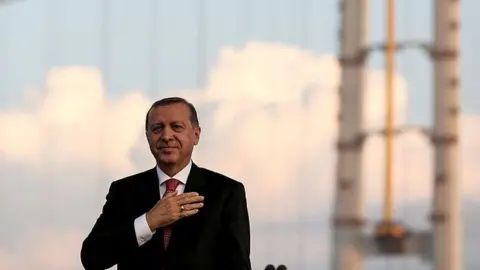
[(151, 189), (149, 196), (195, 181), (182, 228)]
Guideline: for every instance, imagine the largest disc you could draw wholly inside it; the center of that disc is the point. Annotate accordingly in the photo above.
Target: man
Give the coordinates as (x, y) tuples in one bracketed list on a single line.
[(175, 216)]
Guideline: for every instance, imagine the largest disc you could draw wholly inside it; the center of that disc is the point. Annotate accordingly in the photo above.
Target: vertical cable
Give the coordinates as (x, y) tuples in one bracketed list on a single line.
[(154, 44), (397, 172), (305, 17), (302, 190), (105, 71), (240, 20), (407, 215), (4, 87), (389, 115), (273, 232), (49, 47), (404, 66), (271, 19), (300, 228), (201, 42), (4, 72), (405, 176), (48, 149), (301, 194), (390, 64), (105, 43)]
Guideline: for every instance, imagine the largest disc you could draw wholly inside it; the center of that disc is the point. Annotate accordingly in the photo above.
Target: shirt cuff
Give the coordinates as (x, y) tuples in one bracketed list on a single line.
[(142, 230)]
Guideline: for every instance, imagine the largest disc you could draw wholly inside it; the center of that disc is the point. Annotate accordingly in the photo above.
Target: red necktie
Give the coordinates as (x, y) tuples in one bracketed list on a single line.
[(172, 185)]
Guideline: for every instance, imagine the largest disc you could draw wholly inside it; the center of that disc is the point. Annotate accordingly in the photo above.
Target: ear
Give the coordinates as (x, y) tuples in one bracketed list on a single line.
[(196, 133)]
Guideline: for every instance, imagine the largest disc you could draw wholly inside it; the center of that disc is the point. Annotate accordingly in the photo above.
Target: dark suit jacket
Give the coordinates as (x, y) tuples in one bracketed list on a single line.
[(218, 237)]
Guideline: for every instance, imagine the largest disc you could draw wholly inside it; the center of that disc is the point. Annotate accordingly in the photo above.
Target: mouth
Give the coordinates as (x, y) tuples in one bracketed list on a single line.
[(167, 148)]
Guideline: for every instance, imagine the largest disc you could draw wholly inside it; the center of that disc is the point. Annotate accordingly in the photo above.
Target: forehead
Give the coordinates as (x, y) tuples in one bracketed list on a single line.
[(169, 113)]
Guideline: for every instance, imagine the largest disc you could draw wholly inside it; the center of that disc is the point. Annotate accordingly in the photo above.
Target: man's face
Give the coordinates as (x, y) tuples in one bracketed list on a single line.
[(171, 136)]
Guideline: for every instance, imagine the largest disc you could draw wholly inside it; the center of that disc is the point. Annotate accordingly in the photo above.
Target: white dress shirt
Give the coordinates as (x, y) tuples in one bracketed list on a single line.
[(142, 230)]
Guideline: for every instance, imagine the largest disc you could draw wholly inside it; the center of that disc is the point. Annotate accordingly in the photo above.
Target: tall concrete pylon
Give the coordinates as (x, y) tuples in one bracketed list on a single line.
[(446, 217), (348, 217)]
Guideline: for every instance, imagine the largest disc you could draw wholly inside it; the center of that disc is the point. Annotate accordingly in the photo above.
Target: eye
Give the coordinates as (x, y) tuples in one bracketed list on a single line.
[(156, 129), (177, 127)]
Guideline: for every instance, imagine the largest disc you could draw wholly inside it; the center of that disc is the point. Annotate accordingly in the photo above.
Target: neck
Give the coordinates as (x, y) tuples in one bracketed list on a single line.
[(172, 169)]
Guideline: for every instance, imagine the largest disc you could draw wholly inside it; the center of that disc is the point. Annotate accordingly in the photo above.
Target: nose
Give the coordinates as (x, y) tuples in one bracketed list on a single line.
[(167, 134)]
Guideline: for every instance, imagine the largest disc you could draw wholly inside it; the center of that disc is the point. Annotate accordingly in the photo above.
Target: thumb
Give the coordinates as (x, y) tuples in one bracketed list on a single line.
[(170, 194)]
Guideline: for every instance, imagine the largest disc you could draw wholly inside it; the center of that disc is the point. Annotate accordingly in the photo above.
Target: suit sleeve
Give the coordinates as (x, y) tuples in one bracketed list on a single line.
[(112, 237), (237, 231)]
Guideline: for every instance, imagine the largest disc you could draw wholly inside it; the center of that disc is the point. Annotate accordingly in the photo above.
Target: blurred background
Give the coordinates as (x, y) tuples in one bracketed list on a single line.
[(77, 77)]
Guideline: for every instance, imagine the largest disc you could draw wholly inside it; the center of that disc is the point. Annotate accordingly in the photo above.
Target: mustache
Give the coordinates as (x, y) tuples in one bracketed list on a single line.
[(166, 146), (161, 145)]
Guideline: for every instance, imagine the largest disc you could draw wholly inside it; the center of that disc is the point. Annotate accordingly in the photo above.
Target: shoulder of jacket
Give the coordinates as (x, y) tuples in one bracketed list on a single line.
[(211, 175), (132, 179)]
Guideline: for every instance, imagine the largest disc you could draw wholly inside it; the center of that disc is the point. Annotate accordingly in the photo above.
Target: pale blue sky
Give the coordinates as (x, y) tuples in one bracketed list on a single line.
[(40, 34)]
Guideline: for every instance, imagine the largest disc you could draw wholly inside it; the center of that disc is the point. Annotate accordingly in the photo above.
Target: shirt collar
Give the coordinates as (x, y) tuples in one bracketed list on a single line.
[(181, 176)]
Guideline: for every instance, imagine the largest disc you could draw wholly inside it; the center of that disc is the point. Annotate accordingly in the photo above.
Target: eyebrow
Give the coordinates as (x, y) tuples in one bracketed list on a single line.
[(161, 123)]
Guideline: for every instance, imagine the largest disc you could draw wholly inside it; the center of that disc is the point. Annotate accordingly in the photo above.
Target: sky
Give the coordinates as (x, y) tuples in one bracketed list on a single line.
[(77, 79)]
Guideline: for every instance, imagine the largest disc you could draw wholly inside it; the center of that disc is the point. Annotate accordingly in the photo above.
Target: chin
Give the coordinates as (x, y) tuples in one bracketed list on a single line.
[(168, 159), (168, 162)]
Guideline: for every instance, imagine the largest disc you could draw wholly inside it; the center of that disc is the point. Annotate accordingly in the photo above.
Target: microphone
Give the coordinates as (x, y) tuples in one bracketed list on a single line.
[(281, 267), (270, 267)]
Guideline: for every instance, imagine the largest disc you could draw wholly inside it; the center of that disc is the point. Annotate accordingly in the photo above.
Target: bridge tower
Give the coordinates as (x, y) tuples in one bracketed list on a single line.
[(441, 244)]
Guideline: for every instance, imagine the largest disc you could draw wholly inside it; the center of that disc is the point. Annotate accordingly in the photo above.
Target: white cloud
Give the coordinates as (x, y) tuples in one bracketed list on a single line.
[(8, 261), (74, 123), (269, 120)]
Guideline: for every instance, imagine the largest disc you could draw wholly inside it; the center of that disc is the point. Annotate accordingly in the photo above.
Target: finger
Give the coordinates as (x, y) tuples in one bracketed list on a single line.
[(192, 206), (188, 213), (170, 194), (186, 195), (189, 200)]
